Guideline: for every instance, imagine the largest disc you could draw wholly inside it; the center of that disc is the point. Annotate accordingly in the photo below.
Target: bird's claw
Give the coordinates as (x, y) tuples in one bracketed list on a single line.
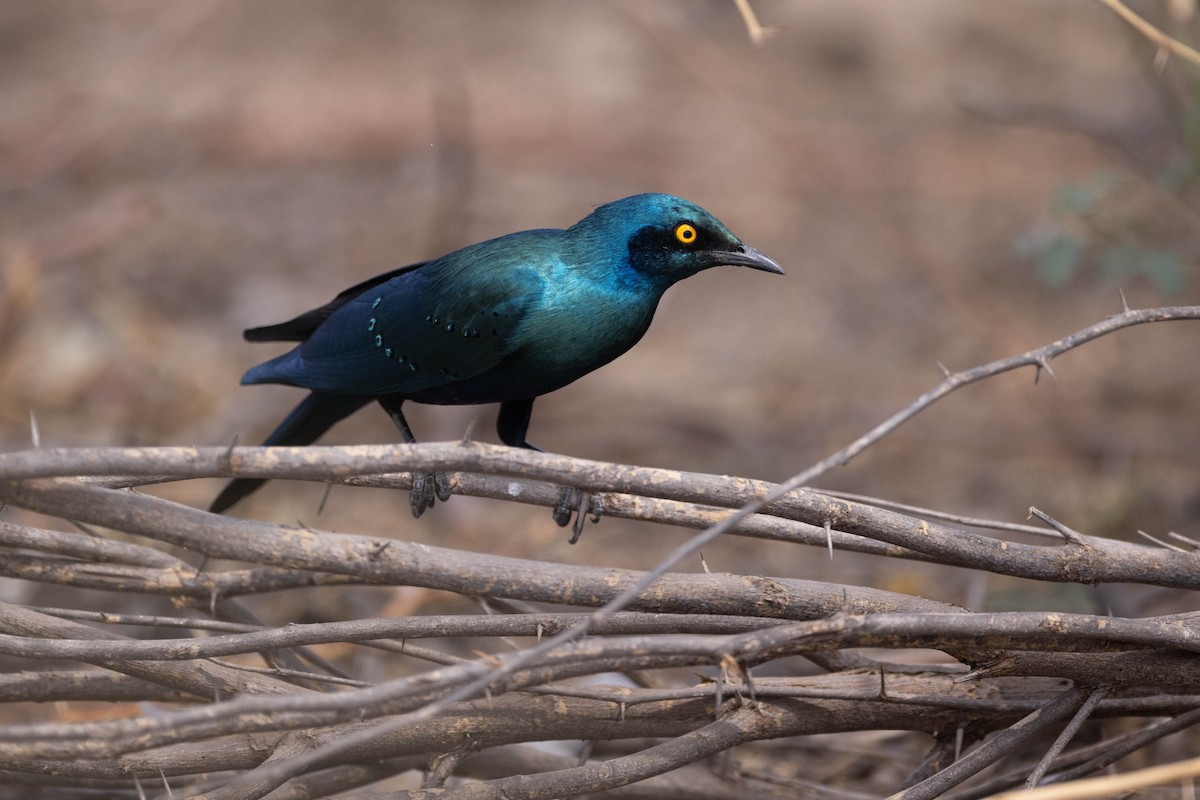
[(427, 487), (441, 486), (579, 504)]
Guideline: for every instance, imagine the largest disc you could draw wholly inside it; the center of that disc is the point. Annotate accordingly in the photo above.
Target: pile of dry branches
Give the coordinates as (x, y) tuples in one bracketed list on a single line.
[(620, 674)]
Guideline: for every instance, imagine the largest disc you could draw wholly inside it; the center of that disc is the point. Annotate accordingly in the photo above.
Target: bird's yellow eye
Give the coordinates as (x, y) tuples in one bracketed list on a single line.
[(685, 233)]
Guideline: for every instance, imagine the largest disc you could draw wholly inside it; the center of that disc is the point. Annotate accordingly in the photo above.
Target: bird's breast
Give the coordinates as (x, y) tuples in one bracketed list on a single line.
[(582, 327)]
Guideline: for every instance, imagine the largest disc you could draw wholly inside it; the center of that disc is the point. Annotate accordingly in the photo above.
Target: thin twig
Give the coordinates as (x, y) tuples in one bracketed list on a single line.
[(758, 34), (1068, 733), (1111, 785), (1160, 40), (997, 747)]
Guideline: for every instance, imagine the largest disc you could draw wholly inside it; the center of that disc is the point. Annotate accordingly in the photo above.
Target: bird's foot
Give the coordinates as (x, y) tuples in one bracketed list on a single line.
[(441, 486), (427, 488), (581, 505)]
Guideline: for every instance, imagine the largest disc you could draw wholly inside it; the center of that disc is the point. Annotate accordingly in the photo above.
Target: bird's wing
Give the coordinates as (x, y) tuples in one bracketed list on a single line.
[(420, 330), (301, 327)]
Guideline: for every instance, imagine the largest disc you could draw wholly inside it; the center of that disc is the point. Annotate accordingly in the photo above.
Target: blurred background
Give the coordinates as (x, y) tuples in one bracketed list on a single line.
[(945, 182)]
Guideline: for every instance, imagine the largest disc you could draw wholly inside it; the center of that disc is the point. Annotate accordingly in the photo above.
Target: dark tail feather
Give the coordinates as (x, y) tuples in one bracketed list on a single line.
[(316, 414)]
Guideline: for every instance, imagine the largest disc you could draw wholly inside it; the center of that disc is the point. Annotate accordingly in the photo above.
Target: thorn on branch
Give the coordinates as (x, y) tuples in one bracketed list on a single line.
[(1071, 536), (973, 675), (749, 684), (1160, 59), (1160, 542), (1185, 539), (466, 437), (95, 534), (731, 666), (228, 459), (1042, 363)]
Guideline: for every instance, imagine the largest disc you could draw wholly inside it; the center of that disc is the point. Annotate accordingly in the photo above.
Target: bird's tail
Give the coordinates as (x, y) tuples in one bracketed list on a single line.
[(316, 414)]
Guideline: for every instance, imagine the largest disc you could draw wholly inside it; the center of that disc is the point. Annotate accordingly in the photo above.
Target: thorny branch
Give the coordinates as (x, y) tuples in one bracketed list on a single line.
[(247, 710)]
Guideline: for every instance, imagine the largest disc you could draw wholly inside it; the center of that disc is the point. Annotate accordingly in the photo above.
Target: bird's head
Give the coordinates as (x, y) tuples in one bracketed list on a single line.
[(668, 239)]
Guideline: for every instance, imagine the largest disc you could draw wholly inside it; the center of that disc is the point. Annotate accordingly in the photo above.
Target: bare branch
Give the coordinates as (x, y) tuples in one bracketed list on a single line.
[(260, 718)]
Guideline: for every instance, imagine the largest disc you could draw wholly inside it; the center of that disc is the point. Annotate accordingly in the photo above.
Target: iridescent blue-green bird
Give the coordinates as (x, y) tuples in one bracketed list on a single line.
[(503, 321)]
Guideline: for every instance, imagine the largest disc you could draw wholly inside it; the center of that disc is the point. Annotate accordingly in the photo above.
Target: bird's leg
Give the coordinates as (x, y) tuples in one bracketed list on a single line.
[(513, 425), (426, 485), (588, 505)]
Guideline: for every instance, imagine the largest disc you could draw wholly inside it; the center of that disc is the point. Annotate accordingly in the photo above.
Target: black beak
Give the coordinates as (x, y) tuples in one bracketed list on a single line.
[(747, 257)]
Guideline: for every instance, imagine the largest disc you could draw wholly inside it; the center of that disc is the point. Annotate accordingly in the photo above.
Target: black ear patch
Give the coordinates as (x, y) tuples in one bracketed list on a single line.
[(652, 239)]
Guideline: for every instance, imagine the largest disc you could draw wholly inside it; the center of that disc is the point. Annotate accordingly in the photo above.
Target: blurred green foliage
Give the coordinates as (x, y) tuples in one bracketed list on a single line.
[(1108, 227), (1093, 228)]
